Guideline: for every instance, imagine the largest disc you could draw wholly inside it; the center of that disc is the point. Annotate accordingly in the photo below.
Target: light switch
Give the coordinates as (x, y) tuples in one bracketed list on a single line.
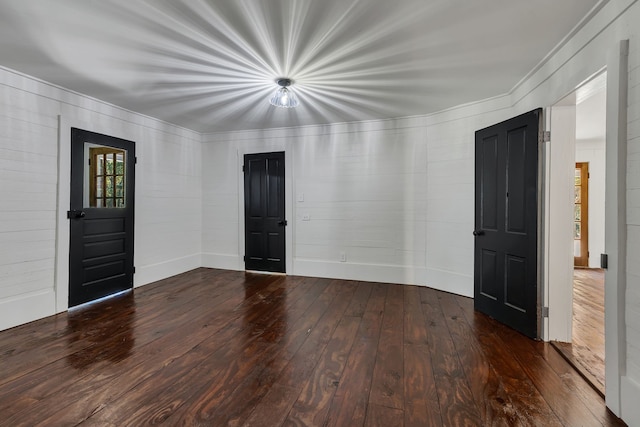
[(301, 197)]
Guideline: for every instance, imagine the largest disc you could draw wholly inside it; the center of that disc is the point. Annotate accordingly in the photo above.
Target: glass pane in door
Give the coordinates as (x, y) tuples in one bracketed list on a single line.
[(105, 178)]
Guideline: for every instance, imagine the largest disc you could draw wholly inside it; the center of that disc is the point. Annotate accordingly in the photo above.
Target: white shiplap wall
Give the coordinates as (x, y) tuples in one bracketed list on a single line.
[(28, 182), (396, 196), (220, 213), (168, 192), (364, 193), (362, 186)]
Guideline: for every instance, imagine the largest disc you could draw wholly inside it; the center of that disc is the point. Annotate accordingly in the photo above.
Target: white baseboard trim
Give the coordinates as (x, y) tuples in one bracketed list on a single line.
[(404, 275), (151, 273), (629, 392), (223, 261), (448, 281), (27, 308)]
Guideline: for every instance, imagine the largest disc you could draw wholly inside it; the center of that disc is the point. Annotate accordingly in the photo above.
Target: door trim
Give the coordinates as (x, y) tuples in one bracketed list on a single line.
[(288, 199), (616, 66), (583, 259), (615, 229)]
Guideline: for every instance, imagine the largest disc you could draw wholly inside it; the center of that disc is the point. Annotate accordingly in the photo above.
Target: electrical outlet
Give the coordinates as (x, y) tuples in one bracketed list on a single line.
[(343, 257), (306, 217)]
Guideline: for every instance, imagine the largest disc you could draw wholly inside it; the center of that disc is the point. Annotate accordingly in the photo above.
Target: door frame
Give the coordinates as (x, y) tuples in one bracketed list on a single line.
[(616, 66), (289, 208), (65, 123), (584, 215)]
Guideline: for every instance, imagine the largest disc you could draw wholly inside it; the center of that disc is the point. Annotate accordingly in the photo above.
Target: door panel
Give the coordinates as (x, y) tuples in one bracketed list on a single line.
[(516, 155), (514, 293), (101, 216), (264, 212), (489, 275), (506, 221), (489, 179)]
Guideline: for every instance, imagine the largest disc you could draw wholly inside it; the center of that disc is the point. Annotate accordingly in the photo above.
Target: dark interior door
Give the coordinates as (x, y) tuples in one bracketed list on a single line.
[(264, 212), (101, 216), (506, 222)]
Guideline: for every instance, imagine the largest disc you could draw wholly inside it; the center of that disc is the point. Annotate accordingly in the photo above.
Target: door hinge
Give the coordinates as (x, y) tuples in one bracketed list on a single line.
[(244, 258), (135, 160), (545, 311), (134, 270), (546, 136), (242, 168)]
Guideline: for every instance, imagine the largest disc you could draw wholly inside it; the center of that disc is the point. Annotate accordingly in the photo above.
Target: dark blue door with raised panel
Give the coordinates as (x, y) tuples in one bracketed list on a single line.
[(264, 210), (506, 222)]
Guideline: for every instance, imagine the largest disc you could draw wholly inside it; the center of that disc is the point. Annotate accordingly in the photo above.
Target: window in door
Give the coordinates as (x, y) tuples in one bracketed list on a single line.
[(106, 177), (581, 216)]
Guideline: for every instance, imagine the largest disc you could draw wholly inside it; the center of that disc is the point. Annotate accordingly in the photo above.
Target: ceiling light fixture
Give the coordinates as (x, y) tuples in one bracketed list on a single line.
[(284, 96)]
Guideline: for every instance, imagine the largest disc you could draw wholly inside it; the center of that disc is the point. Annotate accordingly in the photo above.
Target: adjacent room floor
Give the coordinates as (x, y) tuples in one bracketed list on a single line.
[(586, 351), (214, 348)]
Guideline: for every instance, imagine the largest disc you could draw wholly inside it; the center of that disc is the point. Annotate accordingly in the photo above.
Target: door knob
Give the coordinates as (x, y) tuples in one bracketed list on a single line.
[(283, 222), (478, 233)]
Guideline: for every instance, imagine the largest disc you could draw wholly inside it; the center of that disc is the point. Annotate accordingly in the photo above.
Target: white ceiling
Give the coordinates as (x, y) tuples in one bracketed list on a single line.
[(210, 65)]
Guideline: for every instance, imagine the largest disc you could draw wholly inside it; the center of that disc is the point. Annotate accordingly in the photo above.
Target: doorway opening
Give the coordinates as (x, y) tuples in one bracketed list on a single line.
[(586, 348)]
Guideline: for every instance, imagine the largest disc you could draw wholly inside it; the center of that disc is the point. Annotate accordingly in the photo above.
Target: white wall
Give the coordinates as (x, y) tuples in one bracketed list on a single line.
[(396, 196), (168, 192), (363, 187)]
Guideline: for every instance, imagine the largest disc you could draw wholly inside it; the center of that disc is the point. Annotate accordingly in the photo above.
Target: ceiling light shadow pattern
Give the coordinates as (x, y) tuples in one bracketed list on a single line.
[(210, 65), (344, 101)]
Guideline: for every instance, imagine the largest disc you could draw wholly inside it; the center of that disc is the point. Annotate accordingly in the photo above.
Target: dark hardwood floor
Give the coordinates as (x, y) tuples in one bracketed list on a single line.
[(215, 348), (586, 351)]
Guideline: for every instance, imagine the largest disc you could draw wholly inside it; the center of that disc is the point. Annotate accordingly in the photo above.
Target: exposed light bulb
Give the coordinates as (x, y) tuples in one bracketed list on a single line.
[(284, 96)]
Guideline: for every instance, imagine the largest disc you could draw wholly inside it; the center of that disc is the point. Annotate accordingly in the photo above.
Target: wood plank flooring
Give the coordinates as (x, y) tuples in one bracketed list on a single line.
[(586, 351), (215, 348)]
